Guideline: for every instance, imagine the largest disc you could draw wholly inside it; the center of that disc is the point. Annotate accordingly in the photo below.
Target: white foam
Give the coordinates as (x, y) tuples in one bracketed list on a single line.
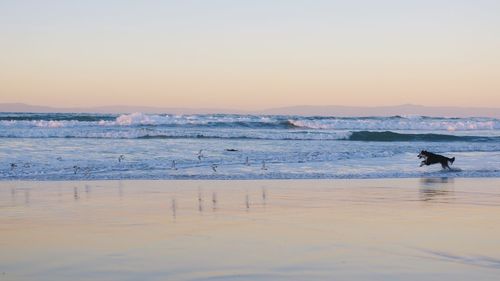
[(398, 124)]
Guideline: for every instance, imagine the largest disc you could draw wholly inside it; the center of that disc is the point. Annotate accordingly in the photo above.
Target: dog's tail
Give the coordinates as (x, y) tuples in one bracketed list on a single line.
[(452, 160)]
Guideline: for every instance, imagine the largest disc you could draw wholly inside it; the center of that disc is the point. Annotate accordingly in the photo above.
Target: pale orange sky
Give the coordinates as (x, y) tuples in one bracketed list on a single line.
[(250, 55)]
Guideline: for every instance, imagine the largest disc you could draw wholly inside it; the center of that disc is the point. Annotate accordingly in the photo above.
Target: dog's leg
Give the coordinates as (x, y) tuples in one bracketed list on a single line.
[(422, 163), (445, 166)]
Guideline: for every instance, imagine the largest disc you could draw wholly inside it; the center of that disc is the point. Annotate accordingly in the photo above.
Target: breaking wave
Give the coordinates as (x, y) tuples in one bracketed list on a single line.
[(392, 136), (248, 121)]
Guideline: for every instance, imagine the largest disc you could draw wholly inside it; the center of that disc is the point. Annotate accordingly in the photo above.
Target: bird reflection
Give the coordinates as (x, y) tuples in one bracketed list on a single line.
[(174, 208), (87, 190), (264, 196), (120, 189), (27, 197), (75, 193), (200, 201), (13, 194), (214, 201), (247, 201)]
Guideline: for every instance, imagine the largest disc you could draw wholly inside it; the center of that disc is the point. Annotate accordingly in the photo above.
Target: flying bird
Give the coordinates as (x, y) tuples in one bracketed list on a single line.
[(263, 165), (200, 154)]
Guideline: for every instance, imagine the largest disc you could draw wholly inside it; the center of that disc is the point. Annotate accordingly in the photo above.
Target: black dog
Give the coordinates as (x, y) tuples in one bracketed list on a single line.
[(431, 158)]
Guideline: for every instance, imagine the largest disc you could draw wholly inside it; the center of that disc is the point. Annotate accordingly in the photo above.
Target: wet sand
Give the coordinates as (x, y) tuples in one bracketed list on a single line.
[(396, 229)]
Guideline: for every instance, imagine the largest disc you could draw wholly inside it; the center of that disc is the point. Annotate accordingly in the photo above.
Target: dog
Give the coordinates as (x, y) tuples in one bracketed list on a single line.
[(431, 158)]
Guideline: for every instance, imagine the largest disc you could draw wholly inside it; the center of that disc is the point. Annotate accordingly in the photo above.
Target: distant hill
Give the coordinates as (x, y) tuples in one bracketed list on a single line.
[(330, 110), (407, 109)]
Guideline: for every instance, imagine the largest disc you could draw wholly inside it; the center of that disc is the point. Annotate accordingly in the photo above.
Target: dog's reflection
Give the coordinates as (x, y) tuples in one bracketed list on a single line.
[(436, 189)]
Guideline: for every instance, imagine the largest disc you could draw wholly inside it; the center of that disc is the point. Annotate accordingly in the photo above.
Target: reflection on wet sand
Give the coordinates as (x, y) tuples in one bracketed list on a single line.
[(287, 230), (200, 201), (432, 189), (214, 201), (247, 201), (13, 194), (120, 188), (27, 196), (87, 190), (174, 208), (75, 193)]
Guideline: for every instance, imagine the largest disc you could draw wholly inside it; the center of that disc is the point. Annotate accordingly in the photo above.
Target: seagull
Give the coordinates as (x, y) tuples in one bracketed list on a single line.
[(214, 167), (200, 154), (173, 165), (263, 165), (87, 171), (121, 158)]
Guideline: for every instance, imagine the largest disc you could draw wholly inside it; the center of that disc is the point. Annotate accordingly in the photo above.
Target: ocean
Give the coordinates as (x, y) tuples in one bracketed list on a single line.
[(81, 146)]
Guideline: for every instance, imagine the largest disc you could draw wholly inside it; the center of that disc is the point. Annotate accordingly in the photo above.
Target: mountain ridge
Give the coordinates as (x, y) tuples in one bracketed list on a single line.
[(304, 110)]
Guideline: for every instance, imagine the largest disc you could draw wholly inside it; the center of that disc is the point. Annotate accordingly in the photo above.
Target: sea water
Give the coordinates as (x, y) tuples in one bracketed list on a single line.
[(62, 146)]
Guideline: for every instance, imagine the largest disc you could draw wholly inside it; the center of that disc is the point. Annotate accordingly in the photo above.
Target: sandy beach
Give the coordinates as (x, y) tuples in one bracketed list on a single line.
[(385, 229)]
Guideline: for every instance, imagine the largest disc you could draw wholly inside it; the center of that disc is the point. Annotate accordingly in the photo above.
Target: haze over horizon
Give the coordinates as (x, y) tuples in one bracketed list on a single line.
[(250, 55), (304, 110)]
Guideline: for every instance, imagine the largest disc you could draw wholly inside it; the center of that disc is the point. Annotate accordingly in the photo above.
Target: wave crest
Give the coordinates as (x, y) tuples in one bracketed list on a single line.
[(392, 136)]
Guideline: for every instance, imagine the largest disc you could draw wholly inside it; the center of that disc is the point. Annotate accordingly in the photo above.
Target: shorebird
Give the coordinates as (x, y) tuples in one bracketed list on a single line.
[(13, 166), (121, 158), (76, 169), (200, 155), (87, 172), (173, 167), (263, 165), (214, 167)]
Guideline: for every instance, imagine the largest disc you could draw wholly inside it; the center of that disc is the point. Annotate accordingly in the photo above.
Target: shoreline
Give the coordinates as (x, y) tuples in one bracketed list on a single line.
[(250, 179)]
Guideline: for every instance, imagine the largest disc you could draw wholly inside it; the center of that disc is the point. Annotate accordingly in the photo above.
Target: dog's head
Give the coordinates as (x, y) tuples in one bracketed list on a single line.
[(423, 154)]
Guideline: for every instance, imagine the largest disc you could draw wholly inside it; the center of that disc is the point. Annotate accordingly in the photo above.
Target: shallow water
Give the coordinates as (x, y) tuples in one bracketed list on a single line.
[(399, 229), (61, 146)]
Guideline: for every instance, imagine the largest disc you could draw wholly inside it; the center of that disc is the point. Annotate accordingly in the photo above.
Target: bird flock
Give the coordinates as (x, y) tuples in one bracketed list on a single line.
[(87, 171)]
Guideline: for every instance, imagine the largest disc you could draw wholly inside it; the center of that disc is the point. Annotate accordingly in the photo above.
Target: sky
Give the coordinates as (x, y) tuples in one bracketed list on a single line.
[(250, 54)]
